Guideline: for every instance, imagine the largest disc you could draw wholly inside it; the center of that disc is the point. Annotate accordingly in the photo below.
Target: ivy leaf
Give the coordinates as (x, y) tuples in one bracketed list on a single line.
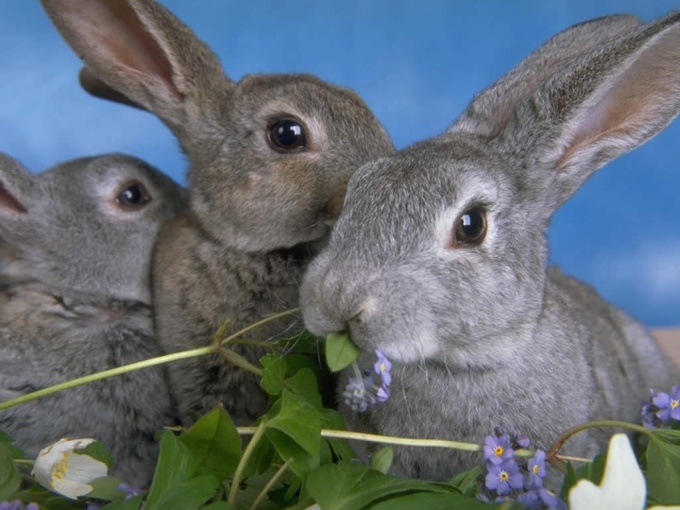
[(305, 384), (299, 420), (215, 445), (382, 459), (287, 448), (274, 369), (328, 484), (172, 468), (352, 486), (126, 504), (10, 479), (187, 495), (439, 501), (466, 482), (97, 451), (340, 351), (663, 466)]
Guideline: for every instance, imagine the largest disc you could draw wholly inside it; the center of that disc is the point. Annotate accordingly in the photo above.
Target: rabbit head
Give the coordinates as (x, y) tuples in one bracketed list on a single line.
[(269, 155), (87, 225), (445, 241)]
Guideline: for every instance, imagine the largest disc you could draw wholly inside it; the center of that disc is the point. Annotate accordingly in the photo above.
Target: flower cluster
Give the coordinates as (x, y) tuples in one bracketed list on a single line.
[(366, 389), (17, 505), (506, 478), (662, 408)]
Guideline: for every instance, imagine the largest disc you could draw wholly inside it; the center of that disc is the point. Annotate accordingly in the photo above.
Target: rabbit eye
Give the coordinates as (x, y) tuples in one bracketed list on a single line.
[(133, 196), (286, 135), (470, 227)]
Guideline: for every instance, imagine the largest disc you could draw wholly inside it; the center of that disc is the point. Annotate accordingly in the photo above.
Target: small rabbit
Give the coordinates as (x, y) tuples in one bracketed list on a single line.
[(439, 257), (75, 252), (269, 160)]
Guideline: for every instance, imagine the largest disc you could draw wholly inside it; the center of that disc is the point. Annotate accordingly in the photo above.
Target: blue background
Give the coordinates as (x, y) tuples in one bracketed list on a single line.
[(416, 64)]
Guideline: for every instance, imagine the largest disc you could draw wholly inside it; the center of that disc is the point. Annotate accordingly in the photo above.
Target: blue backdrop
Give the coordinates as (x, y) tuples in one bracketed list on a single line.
[(417, 64)]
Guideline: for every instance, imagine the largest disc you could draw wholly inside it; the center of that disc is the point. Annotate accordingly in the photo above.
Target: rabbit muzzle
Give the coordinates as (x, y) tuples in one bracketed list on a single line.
[(375, 309)]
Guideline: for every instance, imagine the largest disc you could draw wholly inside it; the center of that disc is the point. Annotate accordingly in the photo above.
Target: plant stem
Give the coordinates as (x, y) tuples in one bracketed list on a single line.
[(247, 453), (106, 374), (552, 454), (374, 438), (239, 361), (270, 484), (257, 324)]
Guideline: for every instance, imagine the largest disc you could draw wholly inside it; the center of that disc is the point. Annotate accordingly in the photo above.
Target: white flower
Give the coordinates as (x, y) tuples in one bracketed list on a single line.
[(623, 485), (66, 472)]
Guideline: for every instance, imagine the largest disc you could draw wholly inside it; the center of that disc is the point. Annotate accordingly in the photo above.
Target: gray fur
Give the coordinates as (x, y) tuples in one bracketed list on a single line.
[(487, 336), (255, 215), (74, 300)]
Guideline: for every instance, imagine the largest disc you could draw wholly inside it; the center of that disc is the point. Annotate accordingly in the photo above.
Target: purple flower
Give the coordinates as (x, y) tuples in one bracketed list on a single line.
[(382, 368), (536, 470), (504, 477), (668, 406), (363, 391), (497, 449), (357, 396), (649, 419), (522, 440), (541, 498), (17, 505), (130, 491)]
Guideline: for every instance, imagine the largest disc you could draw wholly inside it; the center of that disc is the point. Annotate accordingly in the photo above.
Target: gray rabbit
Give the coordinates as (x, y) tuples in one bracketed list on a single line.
[(75, 251), (269, 158), (439, 258)]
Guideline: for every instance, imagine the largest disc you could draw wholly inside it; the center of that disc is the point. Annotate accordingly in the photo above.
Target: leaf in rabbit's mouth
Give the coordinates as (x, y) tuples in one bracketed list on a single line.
[(340, 351)]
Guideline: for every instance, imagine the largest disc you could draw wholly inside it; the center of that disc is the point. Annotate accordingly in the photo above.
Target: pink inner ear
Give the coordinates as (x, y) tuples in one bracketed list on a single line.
[(635, 104), (121, 33), (8, 201)]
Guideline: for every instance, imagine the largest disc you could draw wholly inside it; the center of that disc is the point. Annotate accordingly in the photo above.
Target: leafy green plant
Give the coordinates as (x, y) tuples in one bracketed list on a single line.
[(297, 455)]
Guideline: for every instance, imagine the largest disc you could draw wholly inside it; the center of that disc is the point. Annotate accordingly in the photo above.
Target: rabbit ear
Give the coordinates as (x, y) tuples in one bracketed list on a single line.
[(142, 51), (491, 110), (612, 101), (16, 183), (97, 88)]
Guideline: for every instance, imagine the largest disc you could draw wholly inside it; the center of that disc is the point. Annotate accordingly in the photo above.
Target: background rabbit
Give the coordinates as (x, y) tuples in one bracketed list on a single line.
[(75, 250), (446, 246), (269, 160)]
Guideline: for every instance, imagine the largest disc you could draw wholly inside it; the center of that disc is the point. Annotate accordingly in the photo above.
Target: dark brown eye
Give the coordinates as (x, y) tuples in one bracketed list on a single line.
[(287, 135), (133, 196), (470, 227)]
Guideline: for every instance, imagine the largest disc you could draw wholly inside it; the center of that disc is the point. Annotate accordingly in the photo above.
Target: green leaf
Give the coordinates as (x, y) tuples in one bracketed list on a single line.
[(7, 442), (438, 501), (382, 459), (10, 479), (215, 445), (218, 505), (273, 372), (188, 495), (340, 351), (299, 420), (663, 466), (125, 504), (331, 419), (97, 451), (305, 384), (106, 488), (352, 486), (331, 482), (172, 468), (287, 448), (466, 482)]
